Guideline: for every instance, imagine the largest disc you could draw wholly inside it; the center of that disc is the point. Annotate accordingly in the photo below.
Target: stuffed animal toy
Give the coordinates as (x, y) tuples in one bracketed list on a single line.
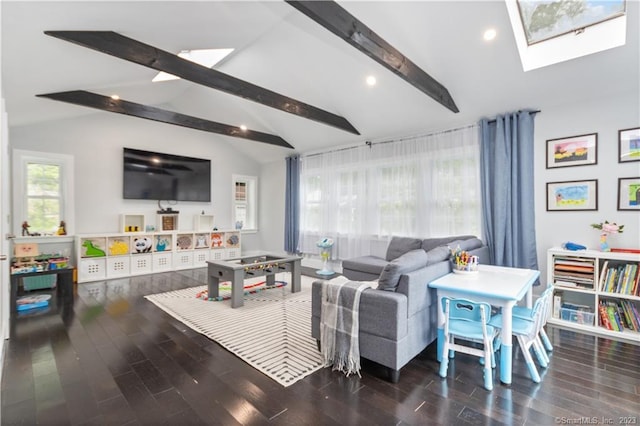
[(142, 244)]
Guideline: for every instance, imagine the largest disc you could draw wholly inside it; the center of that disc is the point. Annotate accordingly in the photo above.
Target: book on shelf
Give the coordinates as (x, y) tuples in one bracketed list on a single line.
[(620, 278), (625, 250), (618, 315), (604, 317)]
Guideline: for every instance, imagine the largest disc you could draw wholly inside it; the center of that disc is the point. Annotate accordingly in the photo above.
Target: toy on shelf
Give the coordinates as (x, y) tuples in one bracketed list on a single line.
[(118, 248), (573, 246), (32, 302), (25, 229), (142, 244), (62, 228), (184, 242), (233, 240), (92, 250), (216, 240), (162, 243)]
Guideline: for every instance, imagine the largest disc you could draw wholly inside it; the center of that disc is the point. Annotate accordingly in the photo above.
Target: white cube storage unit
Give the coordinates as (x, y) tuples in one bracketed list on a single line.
[(125, 254)]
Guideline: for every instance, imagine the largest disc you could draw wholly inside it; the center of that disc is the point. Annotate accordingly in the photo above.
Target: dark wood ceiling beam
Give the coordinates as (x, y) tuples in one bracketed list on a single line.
[(120, 106), (126, 48), (341, 23)]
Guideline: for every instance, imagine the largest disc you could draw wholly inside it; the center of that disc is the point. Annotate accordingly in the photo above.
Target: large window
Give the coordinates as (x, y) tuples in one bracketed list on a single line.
[(42, 191), (426, 186), (245, 204)]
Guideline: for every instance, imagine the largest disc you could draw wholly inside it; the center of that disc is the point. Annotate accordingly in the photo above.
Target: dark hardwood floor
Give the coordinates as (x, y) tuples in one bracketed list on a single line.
[(113, 358)]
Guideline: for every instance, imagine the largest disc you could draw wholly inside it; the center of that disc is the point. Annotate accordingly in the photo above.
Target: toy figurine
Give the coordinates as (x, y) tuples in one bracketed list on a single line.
[(25, 229), (62, 228)]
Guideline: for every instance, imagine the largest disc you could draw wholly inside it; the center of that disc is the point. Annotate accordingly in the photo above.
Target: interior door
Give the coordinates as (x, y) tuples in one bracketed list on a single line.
[(5, 189)]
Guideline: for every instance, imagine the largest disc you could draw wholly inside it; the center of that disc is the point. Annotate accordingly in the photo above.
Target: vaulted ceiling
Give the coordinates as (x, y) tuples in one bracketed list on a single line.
[(281, 49)]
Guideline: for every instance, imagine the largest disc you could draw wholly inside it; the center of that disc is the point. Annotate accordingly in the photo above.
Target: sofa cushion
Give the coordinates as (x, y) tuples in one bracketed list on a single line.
[(401, 245), (466, 245), (408, 262), (438, 254), (369, 264), (431, 243)]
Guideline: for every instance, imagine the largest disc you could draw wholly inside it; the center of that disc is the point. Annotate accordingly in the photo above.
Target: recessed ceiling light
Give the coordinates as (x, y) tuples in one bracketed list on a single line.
[(205, 57), (115, 97), (371, 80), (243, 127), (489, 34)]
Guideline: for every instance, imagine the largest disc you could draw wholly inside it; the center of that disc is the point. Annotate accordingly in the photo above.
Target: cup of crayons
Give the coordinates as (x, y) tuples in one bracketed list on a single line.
[(462, 262)]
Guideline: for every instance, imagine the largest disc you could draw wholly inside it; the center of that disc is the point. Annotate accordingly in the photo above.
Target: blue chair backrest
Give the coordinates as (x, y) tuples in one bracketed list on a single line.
[(467, 310)]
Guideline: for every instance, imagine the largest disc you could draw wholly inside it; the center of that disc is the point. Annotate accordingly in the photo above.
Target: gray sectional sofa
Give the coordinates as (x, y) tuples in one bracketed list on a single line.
[(398, 319)]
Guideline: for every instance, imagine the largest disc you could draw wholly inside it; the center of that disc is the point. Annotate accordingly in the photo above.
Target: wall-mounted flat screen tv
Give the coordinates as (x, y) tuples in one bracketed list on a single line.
[(156, 176)]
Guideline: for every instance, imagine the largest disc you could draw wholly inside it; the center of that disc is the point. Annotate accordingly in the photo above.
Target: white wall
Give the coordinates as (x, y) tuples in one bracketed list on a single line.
[(96, 142), (605, 117), (271, 203)]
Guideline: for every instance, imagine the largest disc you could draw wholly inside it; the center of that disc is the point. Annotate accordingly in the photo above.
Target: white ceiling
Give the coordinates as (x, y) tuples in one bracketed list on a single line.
[(280, 49)]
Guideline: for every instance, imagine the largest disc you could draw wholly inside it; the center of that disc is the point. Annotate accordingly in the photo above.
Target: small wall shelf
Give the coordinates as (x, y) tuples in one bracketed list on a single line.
[(167, 221), (132, 223), (203, 222)]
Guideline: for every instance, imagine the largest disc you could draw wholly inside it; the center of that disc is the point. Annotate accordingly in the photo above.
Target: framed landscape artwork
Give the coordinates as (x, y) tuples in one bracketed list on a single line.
[(629, 193), (629, 145), (572, 195), (572, 151)]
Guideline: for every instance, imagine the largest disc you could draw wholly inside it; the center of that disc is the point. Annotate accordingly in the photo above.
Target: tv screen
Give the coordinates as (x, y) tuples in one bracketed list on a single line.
[(156, 176)]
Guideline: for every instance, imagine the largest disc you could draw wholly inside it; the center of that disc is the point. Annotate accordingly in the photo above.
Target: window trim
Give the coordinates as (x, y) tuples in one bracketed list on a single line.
[(251, 199), (19, 165)]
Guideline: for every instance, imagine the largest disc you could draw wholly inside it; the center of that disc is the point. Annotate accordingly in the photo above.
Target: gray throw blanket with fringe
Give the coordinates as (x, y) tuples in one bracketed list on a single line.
[(339, 324)]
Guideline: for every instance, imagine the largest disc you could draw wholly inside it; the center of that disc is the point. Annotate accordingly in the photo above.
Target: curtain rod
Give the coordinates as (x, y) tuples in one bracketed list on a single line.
[(370, 143), (532, 112)]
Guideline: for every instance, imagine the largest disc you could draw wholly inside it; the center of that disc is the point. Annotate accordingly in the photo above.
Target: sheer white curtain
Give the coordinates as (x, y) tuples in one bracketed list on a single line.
[(421, 186)]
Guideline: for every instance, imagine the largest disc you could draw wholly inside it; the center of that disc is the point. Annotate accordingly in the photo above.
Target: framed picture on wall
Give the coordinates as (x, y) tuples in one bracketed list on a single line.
[(572, 195), (629, 145), (629, 193), (581, 150)]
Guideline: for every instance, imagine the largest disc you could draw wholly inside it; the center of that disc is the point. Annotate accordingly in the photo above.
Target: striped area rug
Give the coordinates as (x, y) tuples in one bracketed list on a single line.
[(280, 347)]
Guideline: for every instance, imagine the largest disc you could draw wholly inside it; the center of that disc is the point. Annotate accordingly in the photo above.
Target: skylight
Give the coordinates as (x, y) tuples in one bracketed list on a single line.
[(204, 57), (552, 31)]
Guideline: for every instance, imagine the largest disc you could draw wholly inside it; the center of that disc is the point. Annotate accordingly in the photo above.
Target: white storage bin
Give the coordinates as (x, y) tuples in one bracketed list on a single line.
[(92, 269), (162, 261), (118, 266), (200, 257), (141, 264), (183, 259), (218, 254)]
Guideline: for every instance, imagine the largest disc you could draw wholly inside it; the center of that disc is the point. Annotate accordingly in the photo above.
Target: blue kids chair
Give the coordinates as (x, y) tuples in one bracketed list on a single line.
[(469, 321), (526, 313), (527, 332)]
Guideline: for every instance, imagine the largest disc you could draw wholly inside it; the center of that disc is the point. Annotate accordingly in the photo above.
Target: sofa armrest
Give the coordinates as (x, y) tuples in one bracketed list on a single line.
[(382, 313)]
